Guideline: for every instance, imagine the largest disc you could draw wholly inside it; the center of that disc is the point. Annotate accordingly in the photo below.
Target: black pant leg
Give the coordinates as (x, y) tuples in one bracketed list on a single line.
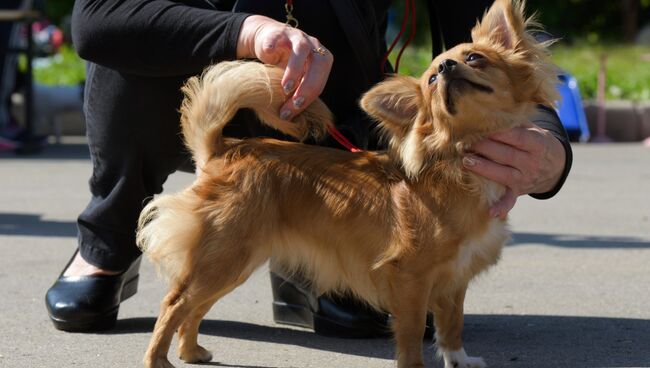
[(134, 138)]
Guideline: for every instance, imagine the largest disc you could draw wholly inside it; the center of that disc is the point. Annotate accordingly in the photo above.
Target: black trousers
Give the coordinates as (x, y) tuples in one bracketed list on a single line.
[(133, 131), (133, 136)]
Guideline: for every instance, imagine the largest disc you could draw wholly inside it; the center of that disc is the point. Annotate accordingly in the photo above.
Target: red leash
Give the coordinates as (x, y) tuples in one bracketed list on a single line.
[(342, 140)]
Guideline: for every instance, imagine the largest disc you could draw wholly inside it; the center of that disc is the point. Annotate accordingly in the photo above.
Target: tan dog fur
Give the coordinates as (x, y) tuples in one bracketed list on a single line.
[(405, 230)]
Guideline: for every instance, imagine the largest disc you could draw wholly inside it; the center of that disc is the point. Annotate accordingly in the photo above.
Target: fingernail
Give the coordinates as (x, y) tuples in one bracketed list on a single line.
[(298, 101), (285, 113), (494, 213), (288, 87), (469, 161)]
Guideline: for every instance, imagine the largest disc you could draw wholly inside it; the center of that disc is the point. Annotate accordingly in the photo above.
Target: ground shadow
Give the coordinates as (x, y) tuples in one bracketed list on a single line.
[(376, 348), (68, 151), (34, 225), (503, 340), (226, 365), (580, 241)]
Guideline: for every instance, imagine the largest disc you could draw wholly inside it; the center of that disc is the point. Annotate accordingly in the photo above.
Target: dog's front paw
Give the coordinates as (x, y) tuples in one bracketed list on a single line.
[(196, 354), (459, 359)]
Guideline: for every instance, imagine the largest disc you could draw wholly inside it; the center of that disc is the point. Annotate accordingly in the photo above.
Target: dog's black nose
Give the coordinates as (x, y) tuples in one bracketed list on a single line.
[(446, 65)]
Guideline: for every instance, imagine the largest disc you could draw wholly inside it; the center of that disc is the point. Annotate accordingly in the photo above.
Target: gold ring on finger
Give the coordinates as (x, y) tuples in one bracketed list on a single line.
[(320, 50)]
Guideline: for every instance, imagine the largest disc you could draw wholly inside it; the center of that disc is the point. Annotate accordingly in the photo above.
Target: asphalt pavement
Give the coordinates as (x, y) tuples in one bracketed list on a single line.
[(572, 288)]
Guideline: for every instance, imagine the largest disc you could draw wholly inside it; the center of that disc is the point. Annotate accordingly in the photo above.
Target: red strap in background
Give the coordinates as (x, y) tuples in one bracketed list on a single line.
[(409, 11)]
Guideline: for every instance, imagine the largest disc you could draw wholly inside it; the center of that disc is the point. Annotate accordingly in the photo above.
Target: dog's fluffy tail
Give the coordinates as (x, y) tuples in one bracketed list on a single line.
[(169, 228), (212, 100)]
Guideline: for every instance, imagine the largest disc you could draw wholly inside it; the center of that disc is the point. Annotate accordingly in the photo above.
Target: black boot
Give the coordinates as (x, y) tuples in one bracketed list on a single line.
[(337, 316)]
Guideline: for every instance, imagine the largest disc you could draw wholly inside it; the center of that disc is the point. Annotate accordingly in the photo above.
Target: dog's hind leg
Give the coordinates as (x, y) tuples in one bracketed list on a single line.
[(188, 348), (173, 310), (183, 308), (448, 319), (223, 263), (408, 305)]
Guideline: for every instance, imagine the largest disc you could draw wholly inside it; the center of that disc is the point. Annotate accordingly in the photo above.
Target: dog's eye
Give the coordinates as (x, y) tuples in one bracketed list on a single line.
[(433, 78), (473, 57)]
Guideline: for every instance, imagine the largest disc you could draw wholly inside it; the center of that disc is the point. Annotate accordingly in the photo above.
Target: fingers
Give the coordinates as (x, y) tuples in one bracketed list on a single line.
[(318, 66), (306, 62), (525, 137), (526, 159), (305, 76), (502, 153), (517, 158), (296, 63), (505, 175)]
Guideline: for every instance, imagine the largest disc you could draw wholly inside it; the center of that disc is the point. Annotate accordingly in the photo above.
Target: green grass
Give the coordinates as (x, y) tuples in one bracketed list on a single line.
[(628, 68)]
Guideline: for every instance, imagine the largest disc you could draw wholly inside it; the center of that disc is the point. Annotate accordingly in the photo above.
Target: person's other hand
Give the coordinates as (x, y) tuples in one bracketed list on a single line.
[(306, 62), (526, 159)]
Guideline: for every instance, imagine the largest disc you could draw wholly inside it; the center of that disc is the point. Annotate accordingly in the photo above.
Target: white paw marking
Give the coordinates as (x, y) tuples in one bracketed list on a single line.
[(459, 359)]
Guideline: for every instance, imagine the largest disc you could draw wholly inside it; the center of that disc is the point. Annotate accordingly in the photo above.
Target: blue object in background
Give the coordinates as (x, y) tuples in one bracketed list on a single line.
[(570, 109)]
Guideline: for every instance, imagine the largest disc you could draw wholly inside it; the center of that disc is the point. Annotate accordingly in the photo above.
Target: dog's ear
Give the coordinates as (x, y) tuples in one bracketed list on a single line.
[(504, 24), (505, 27), (394, 103)]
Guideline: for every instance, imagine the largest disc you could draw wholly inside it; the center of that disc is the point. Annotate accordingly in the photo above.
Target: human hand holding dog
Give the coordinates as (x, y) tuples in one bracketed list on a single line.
[(306, 62), (526, 159)]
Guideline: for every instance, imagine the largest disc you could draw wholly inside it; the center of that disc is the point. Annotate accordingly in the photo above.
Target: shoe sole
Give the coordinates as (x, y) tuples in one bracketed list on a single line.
[(298, 315), (291, 314)]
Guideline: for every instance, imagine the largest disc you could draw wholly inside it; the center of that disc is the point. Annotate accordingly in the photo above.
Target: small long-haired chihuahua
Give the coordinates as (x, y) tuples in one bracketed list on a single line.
[(405, 230)]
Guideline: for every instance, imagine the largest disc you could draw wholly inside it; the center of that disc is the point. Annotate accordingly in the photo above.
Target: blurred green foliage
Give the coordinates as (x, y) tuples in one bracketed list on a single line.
[(414, 61), (628, 69), (65, 68)]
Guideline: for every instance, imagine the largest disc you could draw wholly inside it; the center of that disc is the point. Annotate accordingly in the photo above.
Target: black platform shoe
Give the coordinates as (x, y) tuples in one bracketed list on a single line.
[(345, 317), (90, 303)]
